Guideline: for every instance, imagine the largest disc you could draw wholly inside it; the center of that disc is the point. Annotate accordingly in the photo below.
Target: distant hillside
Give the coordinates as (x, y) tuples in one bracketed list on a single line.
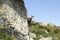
[(48, 30)]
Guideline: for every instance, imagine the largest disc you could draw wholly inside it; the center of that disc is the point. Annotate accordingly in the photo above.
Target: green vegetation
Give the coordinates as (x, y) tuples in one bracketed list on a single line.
[(35, 27), (46, 31), (5, 36)]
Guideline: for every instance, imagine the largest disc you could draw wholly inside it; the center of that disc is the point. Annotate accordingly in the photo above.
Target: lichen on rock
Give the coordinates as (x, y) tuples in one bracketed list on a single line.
[(13, 14)]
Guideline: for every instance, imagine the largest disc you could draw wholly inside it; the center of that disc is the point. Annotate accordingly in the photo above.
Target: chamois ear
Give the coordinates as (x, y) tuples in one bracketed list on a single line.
[(32, 17)]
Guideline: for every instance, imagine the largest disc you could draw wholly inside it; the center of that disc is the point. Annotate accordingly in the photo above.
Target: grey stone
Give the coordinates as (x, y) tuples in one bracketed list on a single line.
[(13, 14)]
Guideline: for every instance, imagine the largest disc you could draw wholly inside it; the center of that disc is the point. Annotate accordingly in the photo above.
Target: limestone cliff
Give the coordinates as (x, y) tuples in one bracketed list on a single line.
[(13, 14)]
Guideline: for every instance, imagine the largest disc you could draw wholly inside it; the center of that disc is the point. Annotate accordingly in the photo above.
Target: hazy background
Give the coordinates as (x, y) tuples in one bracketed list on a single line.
[(44, 10)]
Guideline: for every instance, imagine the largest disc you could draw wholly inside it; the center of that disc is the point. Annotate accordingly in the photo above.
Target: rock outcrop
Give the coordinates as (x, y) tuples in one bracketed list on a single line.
[(32, 36), (45, 38), (13, 15)]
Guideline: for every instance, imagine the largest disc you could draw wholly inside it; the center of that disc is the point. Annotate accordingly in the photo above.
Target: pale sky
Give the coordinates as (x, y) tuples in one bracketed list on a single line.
[(44, 10)]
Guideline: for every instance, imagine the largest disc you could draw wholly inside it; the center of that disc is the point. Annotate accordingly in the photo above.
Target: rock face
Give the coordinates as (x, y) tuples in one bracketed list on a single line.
[(32, 36), (46, 38), (13, 14)]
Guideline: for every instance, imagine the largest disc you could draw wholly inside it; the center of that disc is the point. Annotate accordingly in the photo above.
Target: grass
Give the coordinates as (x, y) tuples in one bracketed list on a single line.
[(5, 36), (53, 31)]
